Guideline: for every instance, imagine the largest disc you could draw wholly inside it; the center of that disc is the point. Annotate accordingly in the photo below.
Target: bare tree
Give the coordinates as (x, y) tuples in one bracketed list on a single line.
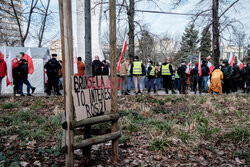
[(214, 15), (239, 39)]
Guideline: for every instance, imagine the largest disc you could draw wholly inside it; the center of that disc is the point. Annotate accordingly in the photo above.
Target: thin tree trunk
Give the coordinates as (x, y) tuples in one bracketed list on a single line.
[(216, 35), (43, 25), (131, 14)]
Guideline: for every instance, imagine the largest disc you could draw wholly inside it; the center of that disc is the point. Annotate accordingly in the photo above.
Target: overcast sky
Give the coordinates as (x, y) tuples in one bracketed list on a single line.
[(175, 24)]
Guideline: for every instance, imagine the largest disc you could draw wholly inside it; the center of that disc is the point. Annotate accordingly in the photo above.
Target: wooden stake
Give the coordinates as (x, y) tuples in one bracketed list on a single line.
[(112, 30), (68, 72)]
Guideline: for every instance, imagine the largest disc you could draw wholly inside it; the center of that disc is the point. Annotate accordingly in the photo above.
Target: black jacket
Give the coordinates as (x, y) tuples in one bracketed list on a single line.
[(105, 70), (23, 70), (148, 72), (235, 71), (182, 71), (96, 67), (227, 71), (52, 67), (205, 70)]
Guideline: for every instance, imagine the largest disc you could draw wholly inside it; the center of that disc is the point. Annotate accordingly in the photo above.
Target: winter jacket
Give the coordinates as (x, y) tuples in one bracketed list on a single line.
[(235, 71), (80, 69), (205, 70), (96, 67), (105, 70), (182, 71), (23, 70), (52, 67), (148, 73), (215, 84), (227, 71), (3, 68), (124, 68)]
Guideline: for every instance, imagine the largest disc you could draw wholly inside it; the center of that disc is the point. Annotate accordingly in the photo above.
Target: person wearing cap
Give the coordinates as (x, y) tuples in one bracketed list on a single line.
[(53, 67), (183, 77), (151, 76), (166, 73), (137, 70)]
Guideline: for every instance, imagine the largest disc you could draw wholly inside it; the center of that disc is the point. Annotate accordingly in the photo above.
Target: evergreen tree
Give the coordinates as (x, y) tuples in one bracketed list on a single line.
[(205, 45), (189, 44)]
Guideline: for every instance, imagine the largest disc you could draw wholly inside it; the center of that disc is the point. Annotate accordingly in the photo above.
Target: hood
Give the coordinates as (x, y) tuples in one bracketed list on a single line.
[(225, 61), (53, 60)]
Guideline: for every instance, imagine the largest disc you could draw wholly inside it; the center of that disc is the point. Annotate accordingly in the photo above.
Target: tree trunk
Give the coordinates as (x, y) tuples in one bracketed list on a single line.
[(131, 15), (216, 44)]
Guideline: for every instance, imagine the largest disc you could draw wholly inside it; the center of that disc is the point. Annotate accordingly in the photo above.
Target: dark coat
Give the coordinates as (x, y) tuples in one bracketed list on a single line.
[(235, 71), (23, 70), (52, 67), (105, 70), (96, 67), (182, 71), (205, 70), (227, 70)]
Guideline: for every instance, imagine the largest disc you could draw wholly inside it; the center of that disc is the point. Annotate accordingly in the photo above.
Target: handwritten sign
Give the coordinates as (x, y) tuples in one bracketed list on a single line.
[(91, 96)]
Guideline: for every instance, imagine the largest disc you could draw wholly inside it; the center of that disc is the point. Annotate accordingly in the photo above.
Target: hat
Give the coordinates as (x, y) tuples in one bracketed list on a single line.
[(225, 61), (136, 57), (54, 55), (150, 61)]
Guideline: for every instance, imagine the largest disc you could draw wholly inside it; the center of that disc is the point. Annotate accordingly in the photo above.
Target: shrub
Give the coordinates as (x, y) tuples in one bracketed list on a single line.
[(9, 105)]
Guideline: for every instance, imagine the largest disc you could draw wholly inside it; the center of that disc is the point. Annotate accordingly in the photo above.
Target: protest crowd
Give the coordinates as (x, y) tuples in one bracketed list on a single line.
[(203, 77)]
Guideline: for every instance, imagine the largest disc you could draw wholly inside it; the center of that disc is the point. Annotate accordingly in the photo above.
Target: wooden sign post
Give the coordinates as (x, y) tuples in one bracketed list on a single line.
[(87, 100)]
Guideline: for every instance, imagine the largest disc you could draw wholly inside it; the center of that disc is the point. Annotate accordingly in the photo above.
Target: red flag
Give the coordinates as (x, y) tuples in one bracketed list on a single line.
[(240, 64), (210, 66), (231, 60), (1, 55), (123, 51), (199, 67), (188, 70), (28, 57)]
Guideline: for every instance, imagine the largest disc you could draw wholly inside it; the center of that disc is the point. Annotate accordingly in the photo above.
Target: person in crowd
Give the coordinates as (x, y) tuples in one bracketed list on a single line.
[(227, 73), (235, 77), (247, 75), (97, 66), (157, 82), (196, 79), (243, 73), (151, 76), (53, 67), (183, 77), (215, 84), (167, 72), (3, 71), (80, 67), (16, 76), (177, 79), (23, 69), (137, 70), (60, 75), (205, 73), (105, 68), (124, 71), (23, 72)]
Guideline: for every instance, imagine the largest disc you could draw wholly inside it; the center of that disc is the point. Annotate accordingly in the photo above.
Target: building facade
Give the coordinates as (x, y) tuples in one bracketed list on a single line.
[(238, 52), (9, 30)]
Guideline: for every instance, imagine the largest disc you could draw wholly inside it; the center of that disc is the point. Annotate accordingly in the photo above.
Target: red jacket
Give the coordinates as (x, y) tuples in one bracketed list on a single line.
[(3, 68)]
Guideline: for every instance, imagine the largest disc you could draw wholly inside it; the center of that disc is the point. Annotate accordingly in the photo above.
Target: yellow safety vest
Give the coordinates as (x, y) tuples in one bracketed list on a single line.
[(165, 70), (152, 72), (137, 70)]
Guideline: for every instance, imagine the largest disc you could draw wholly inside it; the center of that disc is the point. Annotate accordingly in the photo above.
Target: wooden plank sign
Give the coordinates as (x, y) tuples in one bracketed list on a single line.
[(91, 96)]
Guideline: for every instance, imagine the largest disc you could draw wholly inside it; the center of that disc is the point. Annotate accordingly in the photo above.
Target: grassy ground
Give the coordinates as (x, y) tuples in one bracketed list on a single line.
[(156, 131)]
